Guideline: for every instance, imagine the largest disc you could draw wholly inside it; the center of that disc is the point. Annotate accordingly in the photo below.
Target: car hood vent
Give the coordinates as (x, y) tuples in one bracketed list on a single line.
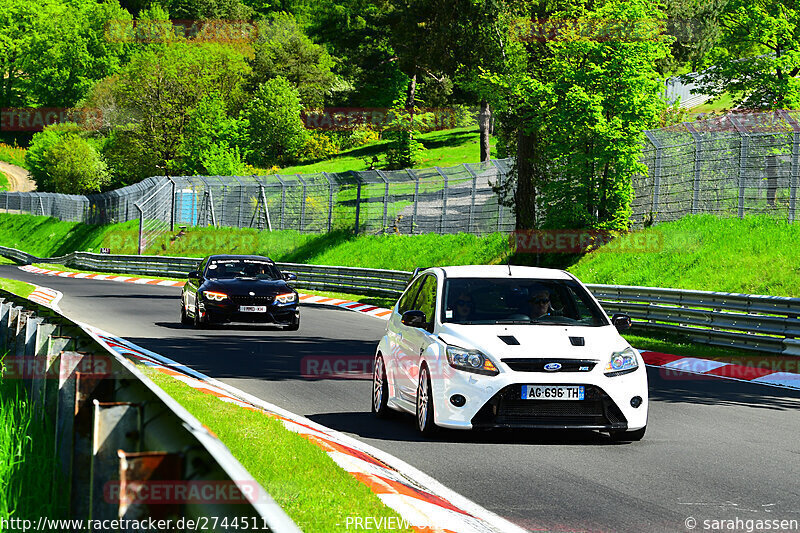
[(509, 339), (577, 341)]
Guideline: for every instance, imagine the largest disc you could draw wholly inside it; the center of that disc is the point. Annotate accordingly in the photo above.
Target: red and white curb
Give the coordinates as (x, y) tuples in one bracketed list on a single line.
[(102, 277), (46, 296), (676, 365), (360, 307), (421, 501)]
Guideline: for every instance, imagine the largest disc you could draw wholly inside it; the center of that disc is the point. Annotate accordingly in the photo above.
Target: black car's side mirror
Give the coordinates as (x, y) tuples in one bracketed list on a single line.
[(414, 319), (195, 275), (621, 321), (289, 276)]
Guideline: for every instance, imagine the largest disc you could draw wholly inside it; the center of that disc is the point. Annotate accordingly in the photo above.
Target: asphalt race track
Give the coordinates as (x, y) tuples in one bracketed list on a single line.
[(714, 449)]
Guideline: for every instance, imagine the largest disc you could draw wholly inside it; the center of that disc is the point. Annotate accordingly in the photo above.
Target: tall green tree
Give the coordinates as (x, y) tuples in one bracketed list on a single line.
[(282, 49), (573, 107), (63, 160), (758, 57), (158, 88), (275, 129)]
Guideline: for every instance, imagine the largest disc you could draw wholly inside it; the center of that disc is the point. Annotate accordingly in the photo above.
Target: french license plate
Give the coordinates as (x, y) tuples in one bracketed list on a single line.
[(546, 392), (252, 308)]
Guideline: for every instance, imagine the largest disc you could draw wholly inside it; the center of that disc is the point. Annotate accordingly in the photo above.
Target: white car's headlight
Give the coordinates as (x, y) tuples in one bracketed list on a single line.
[(621, 363), (470, 361), (287, 298)]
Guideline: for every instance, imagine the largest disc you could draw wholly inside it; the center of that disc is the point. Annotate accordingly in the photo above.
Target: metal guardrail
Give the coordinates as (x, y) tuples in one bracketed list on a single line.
[(116, 431), (751, 322)]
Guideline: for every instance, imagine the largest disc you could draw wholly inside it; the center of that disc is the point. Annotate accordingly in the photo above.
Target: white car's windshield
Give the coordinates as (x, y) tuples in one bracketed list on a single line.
[(242, 269), (519, 301)]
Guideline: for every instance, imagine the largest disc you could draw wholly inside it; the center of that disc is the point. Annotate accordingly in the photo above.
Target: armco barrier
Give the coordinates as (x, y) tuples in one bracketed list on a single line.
[(117, 433), (751, 322)]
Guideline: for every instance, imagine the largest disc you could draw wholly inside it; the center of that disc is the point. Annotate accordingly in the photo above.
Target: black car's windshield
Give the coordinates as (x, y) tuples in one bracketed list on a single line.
[(519, 301), (241, 269)]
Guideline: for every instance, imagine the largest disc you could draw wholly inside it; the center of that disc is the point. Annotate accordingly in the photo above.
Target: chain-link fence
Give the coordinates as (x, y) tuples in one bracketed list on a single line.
[(738, 164), (441, 200), (732, 165)]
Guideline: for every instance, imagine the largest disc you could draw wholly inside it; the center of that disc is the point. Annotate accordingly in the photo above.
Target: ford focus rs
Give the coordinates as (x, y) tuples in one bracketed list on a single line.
[(239, 288), (508, 347)]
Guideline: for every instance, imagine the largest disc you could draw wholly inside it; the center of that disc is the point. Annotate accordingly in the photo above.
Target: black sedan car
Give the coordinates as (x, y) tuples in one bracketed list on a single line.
[(239, 288)]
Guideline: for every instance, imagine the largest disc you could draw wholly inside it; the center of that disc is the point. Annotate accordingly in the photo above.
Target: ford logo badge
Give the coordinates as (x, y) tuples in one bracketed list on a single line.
[(551, 367)]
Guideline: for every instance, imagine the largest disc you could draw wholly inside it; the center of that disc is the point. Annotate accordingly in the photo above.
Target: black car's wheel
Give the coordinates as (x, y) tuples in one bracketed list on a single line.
[(628, 436), (380, 389), (425, 404), (185, 320), (294, 325), (199, 322)]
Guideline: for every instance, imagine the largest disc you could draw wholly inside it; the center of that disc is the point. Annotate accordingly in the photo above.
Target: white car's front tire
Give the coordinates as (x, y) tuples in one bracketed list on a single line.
[(425, 422)]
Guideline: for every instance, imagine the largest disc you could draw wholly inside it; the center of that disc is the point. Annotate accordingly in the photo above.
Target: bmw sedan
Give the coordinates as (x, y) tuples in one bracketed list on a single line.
[(239, 288), (508, 347)]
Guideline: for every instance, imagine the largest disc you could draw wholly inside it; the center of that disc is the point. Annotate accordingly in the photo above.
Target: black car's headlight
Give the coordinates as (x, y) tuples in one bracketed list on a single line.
[(285, 299), (216, 296), (621, 362), (470, 361)]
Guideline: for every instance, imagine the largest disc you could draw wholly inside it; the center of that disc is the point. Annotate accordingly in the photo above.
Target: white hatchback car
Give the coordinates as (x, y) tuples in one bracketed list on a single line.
[(498, 346)]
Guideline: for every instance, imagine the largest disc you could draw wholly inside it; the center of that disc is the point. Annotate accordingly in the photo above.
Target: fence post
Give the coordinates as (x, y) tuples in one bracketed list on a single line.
[(358, 202), (444, 200), (472, 201), (416, 198), (385, 197), (241, 202), (656, 172), (302, 202), (744, 145), (172, 206), (794, 177), (283, 198), (500, 178), (211, 207), (698, 149), (266, 207), (330, 201), (141, 228)]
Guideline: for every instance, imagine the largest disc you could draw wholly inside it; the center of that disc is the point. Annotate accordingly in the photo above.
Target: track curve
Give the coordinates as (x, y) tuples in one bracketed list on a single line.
[(714, 449)]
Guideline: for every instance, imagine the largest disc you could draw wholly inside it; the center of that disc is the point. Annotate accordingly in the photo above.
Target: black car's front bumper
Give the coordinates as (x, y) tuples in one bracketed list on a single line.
[(226, 311)]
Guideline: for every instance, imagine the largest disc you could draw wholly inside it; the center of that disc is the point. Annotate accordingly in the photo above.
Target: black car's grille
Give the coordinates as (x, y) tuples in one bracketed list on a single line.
[(508, 409), (537, 365), (252, 300)]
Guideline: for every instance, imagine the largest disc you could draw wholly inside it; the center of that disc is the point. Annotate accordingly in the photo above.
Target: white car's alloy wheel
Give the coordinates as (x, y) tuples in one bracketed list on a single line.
[(380, 389), (425, 403)]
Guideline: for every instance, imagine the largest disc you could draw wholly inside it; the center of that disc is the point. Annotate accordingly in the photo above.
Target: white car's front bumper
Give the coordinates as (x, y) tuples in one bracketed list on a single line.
[(495, 401)]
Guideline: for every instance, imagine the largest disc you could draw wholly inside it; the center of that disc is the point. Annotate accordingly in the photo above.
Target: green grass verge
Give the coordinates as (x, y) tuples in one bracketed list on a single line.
[(4, 181), (13, 155), (754, 255), (48, 237), (313, 490), (20, 288), (29, 485), (442, 148)]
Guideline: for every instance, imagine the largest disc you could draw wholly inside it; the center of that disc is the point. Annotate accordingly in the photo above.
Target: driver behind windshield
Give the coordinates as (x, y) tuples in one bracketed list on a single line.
[(539, 302)]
